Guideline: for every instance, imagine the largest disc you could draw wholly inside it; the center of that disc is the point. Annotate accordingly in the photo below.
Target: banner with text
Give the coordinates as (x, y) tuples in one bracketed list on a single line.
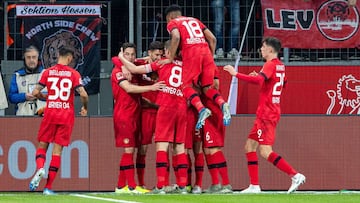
[(83, 34), (309, 90), (316, 24)]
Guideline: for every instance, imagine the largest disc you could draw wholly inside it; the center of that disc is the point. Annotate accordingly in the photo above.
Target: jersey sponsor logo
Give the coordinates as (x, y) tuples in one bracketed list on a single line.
[(337, 21), (346, 96), (58, 105), (173, 91)]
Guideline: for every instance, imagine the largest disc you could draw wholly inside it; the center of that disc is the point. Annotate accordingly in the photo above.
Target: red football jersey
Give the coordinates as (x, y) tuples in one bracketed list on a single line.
[(171, 74), (191, 32), (125, 104), (269, 101), (61, 82), (145, 80)]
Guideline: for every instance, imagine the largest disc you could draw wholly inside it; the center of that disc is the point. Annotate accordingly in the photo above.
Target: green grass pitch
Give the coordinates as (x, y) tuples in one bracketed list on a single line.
[(267, 197)]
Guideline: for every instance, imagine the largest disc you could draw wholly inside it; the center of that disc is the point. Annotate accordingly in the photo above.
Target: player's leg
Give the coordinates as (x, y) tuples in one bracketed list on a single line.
[(252, 164), (148, 123), (182, 166), (193, 97), (53, 168), (279, 162), (140, 164), (161, 166), (45, 135), (199, 165), (210, 87)]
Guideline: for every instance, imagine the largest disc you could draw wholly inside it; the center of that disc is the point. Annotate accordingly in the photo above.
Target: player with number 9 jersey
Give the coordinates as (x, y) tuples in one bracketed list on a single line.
[(61, 82)]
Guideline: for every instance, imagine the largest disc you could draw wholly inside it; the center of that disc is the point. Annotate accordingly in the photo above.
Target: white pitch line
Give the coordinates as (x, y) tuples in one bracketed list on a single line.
[(103, 199)]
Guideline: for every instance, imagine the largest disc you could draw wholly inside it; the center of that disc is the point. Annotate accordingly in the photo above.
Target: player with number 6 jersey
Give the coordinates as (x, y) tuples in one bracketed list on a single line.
[(271, 78)]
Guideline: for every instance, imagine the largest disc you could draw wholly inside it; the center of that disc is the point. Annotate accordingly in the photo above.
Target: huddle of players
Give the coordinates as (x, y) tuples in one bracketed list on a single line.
[(179, 84)]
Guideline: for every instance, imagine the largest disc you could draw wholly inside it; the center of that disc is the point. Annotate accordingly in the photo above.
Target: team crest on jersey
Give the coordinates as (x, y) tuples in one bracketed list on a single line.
[(126, 141), (337, 21), (346, 98)]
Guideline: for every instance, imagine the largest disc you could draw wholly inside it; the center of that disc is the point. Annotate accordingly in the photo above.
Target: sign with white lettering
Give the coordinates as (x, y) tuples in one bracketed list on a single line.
[(83, 34), (314, 24), (40, 10)]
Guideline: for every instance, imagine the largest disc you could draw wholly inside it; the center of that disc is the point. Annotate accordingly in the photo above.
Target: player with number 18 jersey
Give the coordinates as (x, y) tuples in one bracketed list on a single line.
[(196, 54)]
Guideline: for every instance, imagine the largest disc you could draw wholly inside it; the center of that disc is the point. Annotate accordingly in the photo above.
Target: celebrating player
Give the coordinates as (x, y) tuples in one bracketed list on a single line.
[(57, 124), (271, 78), (170, 120), (126, 117), (197, 45)]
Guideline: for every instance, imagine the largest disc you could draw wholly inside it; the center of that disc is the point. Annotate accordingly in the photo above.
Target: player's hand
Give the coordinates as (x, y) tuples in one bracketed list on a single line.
[(121, 53), (83, 111), (158, 86), (127, 74), (254, 73), (230, 69), (352, 2), (30, 97), (164, 61)]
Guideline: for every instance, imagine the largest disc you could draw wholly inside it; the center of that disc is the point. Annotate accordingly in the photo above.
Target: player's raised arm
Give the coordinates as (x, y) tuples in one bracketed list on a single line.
[(131, 88), (211, 39), (142, 69), (84, 98), (251, 78)]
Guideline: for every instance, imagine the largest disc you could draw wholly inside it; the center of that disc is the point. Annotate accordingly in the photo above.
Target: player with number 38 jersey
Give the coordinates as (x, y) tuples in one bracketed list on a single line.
[(61, 82)]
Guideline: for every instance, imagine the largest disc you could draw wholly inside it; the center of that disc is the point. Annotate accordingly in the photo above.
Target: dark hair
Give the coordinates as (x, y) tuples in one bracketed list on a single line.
[(128, 45), (273, 42), (156, 45), (31, 48), (172, 8), (66, 50)]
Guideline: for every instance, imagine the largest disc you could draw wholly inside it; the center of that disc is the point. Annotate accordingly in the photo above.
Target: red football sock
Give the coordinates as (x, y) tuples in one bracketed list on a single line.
[(174, 165), (222, 166), (121, 177), (253, 167), (189, 171), (213, 170), (140, 168), (281, 164), (161, 168), (127, 164), (214, 95), (193, 97), (199, 169), (40, 158), (53, 169), (182, 166)]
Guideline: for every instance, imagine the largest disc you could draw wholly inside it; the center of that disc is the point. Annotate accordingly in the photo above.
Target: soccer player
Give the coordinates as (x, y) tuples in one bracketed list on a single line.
[(61, 82), (271, 79), (126, 118), (197, 45), (170, 121), (149, 109)]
